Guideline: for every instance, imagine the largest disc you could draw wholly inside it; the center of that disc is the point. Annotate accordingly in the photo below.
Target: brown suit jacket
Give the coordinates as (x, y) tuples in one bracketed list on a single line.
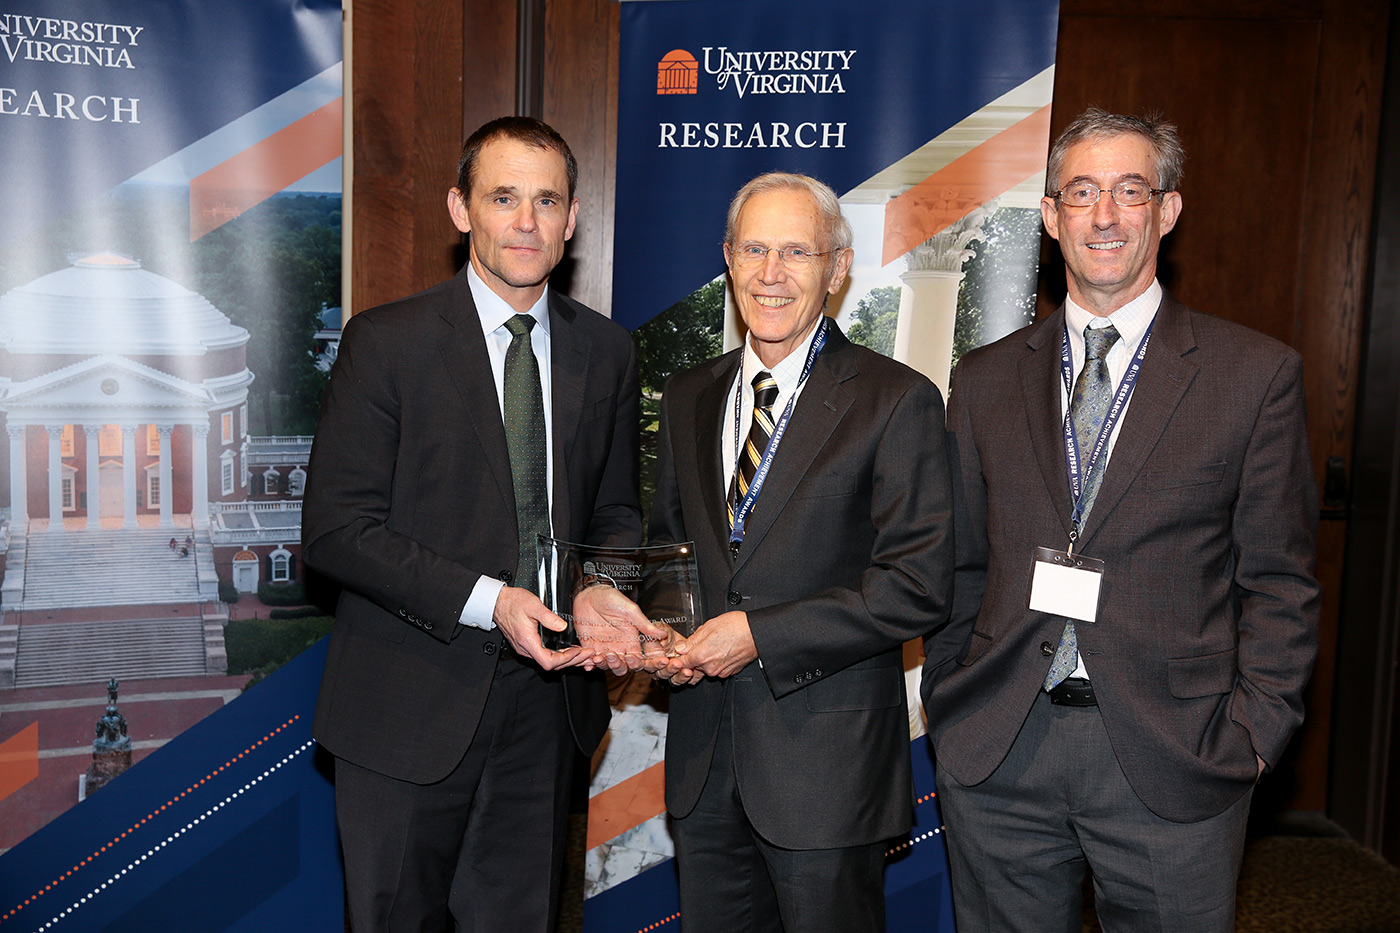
[(1206, 517)]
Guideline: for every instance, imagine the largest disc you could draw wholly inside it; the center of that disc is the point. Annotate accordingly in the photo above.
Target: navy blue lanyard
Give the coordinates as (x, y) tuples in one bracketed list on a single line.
[(741, 511), (1115, 411)]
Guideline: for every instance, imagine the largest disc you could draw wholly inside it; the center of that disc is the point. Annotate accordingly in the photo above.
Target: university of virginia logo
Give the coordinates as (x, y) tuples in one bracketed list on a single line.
[(783, 72), (677, 73), (787, 72)]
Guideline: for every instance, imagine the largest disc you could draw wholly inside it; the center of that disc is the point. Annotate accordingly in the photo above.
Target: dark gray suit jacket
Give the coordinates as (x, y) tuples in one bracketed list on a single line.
[(409, 501), (1207, 619), (848, 554)]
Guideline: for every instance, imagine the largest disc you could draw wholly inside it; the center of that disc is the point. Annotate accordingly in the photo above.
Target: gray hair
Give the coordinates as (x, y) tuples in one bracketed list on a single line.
[(1168, 155), (835, 228)]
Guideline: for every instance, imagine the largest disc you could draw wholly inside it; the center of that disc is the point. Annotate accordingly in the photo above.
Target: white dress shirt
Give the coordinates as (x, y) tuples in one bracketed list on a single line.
[(786, 374), (493, 313)]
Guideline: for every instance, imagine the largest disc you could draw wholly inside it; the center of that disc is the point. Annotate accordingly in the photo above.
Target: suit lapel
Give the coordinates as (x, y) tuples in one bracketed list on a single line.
[(713, 422), (1040, 376), (568, 373), (1166, 374), (464, 357), (820, 408)]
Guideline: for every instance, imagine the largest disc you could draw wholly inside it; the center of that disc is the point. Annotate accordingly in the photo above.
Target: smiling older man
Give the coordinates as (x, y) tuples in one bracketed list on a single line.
[(812, 476)]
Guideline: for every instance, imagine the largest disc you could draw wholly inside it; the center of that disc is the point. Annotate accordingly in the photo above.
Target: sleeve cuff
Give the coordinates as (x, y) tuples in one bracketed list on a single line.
[(481, 604)]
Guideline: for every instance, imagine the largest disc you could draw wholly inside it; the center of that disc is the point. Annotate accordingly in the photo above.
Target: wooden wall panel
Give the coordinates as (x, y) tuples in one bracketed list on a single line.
[(580, 101), (407, 74), (1339, 200), (1244, 109), (1364, 791), (489, 63)]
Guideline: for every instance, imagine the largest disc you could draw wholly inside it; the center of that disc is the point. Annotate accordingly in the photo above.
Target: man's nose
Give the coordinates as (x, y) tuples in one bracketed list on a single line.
[(773, 268), (1105, 210), (525, 218)]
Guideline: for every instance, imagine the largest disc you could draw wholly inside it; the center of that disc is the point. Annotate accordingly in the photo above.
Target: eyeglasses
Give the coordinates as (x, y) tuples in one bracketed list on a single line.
[(747, 255), (1124, 194)]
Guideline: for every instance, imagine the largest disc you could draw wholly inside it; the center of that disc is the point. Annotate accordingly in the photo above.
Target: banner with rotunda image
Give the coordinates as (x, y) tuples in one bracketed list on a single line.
[(169, 309)]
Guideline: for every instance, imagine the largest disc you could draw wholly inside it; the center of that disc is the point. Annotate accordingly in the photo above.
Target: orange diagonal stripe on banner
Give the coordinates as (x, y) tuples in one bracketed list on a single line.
[(997, 165), (19, 760), (265, 168), (627, 804)]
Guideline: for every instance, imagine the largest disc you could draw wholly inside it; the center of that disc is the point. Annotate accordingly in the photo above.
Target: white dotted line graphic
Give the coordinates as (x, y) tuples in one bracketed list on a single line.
[(117, 876), (151, 816)]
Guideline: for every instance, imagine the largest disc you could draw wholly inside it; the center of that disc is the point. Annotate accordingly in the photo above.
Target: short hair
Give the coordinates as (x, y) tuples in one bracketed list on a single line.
[(835, 228), (1168, 155), (525, 130)]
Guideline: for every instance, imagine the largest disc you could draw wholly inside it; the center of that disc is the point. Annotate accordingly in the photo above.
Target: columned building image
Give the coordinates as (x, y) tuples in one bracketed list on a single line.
[(125, 403)]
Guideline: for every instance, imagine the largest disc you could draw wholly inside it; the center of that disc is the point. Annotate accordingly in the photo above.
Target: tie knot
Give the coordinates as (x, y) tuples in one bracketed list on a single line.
[(519, 324), (1098, 341), (765, 390)]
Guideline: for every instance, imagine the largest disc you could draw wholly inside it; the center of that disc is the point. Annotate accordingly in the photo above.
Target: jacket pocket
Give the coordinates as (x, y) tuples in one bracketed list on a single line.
[(825, 485), (1206, 475), (1204, 675)]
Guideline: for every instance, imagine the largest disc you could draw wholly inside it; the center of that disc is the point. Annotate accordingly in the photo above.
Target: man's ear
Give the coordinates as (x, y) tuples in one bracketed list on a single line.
[(457, 209), (1050, 217), (1170, 211)]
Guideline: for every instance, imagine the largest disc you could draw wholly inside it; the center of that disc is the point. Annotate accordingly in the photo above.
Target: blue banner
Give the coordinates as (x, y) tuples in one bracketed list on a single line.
[(92, 92), (714, 92), (169, 305)]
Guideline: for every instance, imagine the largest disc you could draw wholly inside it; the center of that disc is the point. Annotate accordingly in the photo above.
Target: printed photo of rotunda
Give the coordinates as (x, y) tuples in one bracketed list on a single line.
[(133, 486)]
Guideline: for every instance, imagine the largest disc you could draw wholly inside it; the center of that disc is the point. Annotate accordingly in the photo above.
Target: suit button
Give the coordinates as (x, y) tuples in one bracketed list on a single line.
[(797, 679), (489, 647), (403, 613), (734, 598), (1047, 649), (427, 626), (505, 576), (817, 673)]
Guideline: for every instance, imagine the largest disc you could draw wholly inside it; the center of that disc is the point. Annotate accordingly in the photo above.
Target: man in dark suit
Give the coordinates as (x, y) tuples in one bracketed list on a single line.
[(1135, 613), (787, 748), (457, 425)]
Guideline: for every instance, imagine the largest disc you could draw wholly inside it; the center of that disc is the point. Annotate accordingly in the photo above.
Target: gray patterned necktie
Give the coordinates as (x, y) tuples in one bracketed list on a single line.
[(525, 444), (1088, 405)]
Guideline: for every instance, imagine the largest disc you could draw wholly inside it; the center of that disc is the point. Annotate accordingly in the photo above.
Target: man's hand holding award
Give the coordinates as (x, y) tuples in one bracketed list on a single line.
[(626, 607)]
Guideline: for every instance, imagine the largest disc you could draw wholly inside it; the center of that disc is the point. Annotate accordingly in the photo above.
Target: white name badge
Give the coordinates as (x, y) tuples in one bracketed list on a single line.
[(1066, 584)]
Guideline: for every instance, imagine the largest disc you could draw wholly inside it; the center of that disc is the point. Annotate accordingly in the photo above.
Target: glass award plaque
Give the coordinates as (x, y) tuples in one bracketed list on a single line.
[(662, 580)]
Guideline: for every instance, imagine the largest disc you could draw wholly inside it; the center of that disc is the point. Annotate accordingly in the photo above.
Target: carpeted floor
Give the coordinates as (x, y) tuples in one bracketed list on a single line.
[(1311, 884), (1307, 877), (1293, 884)]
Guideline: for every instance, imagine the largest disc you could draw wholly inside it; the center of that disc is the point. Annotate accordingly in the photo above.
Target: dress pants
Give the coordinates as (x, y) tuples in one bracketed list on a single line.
[(1018, 842), (479, 851), (732, 880)]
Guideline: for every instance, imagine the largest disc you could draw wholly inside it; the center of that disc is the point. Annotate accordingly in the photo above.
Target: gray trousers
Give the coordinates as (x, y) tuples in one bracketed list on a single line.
[(1018, 843)]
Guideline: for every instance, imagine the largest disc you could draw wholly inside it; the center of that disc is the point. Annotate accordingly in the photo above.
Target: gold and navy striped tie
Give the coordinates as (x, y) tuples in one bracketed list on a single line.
[(765, 393)]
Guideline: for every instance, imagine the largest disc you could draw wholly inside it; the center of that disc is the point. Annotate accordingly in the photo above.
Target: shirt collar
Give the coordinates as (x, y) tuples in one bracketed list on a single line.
[(788, 370), (1131, 320), (493, 310)]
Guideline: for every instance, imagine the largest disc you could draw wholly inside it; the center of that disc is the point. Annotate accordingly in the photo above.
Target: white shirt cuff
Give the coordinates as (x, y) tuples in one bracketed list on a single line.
[(480, 609)]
